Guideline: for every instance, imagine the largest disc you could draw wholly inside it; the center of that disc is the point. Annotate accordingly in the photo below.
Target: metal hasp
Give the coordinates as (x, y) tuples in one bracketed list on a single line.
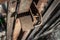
[(51, 11), (47, 19)]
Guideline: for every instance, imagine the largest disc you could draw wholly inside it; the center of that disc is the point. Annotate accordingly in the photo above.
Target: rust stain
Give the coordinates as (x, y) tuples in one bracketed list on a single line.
[(2, 1)]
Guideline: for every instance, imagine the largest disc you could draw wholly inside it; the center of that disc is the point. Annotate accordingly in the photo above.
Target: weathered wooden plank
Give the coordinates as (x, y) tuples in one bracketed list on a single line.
[(10, 20), (27, 25), (24, 5), (17, 29)]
